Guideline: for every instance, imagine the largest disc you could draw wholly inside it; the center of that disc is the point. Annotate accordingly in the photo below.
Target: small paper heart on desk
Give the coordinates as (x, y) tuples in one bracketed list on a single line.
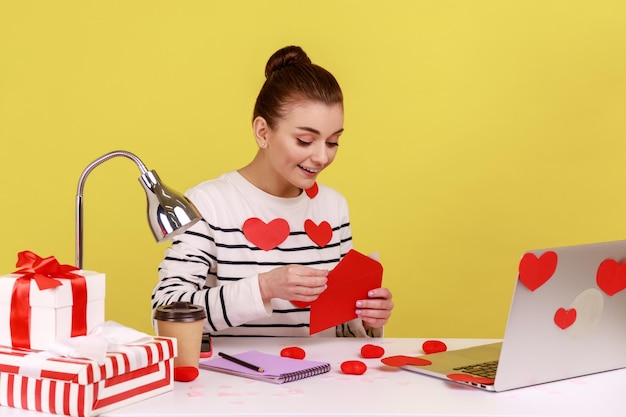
[(185, 373), (471, 378), (372, 351), (434, 346), (402, 360), (294, 352), (353, 367)]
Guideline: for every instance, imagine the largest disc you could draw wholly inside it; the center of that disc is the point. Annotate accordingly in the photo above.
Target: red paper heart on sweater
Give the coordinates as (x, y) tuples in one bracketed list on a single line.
[(470, 379), (320, 234), (266, 235), (611, 277), (301, 304), (535, 271), (565, 318), (312, 191)]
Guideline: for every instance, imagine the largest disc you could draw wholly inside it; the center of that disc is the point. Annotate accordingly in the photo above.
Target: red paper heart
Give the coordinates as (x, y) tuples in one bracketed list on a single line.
[(266, 235), (401, 360), (534, 272), (294, 352), (301, 304), (434, 346), (312, 191), (319, 234), (470, 379), (611, 277), (185, 373), (565, 318), (372, 351), (353, 367)]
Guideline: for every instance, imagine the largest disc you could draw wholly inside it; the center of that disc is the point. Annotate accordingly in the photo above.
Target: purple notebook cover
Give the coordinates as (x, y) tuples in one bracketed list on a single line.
[(276, 368)]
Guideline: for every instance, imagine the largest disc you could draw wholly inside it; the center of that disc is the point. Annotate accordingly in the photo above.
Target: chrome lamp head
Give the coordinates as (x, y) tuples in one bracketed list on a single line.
[(169, 213)]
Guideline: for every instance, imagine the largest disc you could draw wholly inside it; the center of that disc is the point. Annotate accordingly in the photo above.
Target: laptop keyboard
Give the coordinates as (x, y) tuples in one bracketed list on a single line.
[(484, 369)]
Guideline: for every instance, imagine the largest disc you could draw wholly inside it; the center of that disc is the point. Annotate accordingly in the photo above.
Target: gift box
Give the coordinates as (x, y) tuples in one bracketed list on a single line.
[(34, 380), (45, 301)]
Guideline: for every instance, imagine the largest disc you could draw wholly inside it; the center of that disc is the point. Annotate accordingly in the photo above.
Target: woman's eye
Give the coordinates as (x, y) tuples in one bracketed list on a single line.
[(303, 142), (332, 144)]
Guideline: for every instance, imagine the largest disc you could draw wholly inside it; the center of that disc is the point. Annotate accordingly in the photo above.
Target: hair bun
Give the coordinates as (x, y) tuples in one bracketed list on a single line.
[(284, 57)]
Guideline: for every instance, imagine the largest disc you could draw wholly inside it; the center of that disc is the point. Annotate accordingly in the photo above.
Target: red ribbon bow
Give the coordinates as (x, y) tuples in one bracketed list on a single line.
[(44, 271)]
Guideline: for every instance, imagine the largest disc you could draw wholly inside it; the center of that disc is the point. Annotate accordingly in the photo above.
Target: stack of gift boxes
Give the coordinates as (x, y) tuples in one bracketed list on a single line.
[(43, 302)]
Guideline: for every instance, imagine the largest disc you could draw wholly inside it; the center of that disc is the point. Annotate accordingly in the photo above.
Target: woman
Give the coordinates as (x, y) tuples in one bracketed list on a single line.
[(270, 233)]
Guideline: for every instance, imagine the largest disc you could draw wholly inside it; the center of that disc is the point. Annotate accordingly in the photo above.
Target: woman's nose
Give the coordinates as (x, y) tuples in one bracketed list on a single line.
[(320, 154)]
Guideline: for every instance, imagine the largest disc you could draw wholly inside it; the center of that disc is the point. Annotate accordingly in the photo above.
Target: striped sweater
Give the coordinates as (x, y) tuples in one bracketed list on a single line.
[(244, 232)]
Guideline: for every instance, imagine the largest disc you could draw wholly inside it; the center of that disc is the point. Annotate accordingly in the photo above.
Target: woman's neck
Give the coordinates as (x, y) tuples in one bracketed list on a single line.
[(258, 174)]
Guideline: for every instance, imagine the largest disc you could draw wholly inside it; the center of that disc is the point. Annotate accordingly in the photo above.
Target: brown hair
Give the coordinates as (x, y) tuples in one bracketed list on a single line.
[(290, 76)]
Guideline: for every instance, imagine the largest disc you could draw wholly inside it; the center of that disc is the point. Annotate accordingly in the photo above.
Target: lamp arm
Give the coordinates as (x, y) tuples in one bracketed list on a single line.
[(79, 195)]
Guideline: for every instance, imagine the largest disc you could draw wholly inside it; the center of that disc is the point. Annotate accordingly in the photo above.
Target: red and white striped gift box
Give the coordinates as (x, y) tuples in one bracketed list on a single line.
[(82, 387)]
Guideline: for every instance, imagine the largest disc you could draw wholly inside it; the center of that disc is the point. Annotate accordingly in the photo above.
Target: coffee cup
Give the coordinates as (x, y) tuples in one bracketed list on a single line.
[(183, 321)]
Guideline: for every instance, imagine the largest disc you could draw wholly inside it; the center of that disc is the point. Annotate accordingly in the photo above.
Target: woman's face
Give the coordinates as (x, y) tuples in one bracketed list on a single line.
[(302, 144)]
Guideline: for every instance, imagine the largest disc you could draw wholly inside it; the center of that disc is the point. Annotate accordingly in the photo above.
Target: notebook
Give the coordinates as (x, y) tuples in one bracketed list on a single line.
[(567, 319), (276, 369)]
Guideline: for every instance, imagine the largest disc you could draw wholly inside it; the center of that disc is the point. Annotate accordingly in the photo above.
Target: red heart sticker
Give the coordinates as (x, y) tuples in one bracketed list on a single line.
[(300, 304), (535, 271), (266, 235), (611, 277), (372, 351), (434, 346), (401, 360), (294, 352), (565, 318), (353, 367), (312, 191), (471, 378), (185, 373), (320, 234)]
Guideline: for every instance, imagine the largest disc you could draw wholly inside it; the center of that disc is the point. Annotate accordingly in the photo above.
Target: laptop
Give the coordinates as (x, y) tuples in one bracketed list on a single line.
[(567, 319)]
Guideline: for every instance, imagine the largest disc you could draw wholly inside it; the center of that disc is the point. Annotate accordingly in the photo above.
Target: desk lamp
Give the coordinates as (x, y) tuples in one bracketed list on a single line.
[(169, 213)]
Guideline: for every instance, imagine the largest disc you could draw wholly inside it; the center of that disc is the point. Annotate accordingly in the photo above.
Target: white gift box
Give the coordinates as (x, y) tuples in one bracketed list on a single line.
[(82, 387), (51, 309)]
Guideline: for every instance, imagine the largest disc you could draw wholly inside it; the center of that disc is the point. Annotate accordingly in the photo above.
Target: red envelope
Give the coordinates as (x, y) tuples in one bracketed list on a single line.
[(348, 282)]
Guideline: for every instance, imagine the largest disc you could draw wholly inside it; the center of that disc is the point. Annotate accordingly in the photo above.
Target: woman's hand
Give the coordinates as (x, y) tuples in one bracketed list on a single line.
[(293, 283), (376, 309)]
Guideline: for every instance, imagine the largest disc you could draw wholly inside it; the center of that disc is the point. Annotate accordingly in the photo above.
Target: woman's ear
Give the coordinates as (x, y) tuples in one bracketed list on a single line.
[(260, 128)]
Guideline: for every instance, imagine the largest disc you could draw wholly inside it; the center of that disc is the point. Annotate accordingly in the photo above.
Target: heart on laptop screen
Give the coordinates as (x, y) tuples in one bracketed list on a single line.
[(535, 271)]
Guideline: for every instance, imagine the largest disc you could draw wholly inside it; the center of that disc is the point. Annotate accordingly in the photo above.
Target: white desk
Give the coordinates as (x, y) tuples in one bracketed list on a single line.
[(381, 391)]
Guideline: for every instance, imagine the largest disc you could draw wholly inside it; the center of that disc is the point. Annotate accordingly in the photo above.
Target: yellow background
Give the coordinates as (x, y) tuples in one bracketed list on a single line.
[(475, 130)]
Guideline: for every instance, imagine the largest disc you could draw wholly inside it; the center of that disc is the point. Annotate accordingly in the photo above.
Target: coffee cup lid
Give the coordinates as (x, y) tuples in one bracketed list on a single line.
[(180, 311)]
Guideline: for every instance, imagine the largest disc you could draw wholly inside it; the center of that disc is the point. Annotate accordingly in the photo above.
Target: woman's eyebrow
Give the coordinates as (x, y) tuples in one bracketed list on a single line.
[(317, 132)]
